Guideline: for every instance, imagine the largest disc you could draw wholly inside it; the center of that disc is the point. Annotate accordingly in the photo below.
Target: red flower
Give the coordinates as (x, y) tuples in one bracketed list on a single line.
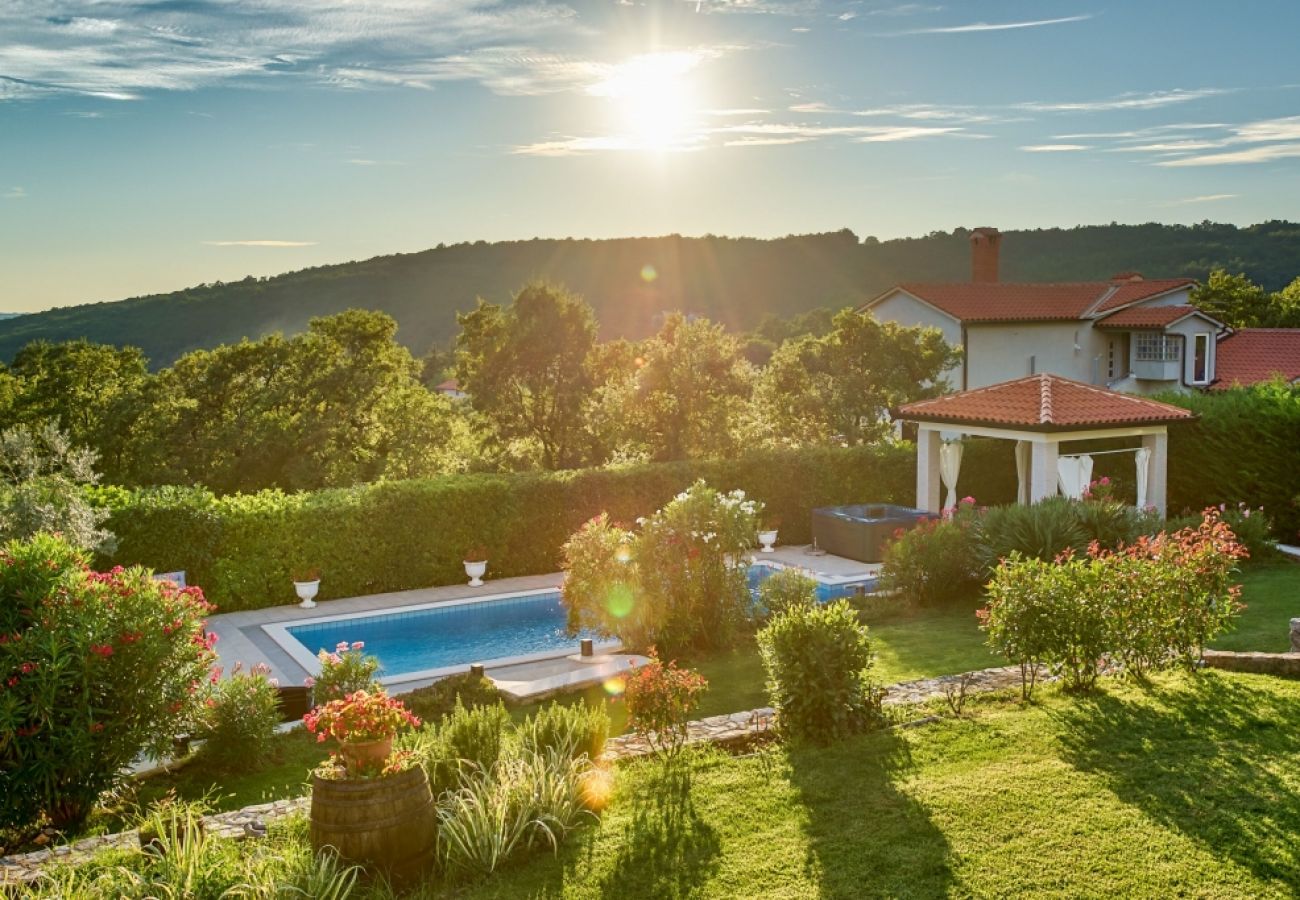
[(104, 650)]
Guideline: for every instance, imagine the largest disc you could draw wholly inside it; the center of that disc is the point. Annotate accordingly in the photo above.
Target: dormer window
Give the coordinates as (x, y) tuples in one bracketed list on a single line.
[(1156, 346)]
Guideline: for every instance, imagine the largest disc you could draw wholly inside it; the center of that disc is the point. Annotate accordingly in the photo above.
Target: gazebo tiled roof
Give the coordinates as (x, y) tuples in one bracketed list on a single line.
[(1042, 403)]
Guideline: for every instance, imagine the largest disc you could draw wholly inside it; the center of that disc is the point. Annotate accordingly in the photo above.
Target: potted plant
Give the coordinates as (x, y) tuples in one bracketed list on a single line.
[(306, 584), (767, 535), (476, 565), (363, 723)]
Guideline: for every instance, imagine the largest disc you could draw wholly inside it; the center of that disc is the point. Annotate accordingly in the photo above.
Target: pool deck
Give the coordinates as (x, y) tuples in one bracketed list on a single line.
[(242, 639)]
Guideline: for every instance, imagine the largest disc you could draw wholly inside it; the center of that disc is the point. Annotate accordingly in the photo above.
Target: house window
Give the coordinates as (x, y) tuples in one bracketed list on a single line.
[(1111, 353), (1156, 346), (1200, 358)]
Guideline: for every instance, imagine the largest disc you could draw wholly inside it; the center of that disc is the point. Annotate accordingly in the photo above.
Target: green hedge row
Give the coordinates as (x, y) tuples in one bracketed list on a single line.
[(398, 535)]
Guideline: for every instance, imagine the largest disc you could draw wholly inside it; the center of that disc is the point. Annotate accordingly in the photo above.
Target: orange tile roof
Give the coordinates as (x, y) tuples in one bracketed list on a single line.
[(1004, 301), (1147, 316), (1252, 355), (1042, 403)]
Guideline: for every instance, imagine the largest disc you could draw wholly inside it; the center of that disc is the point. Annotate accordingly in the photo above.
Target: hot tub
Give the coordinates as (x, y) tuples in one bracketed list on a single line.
[(861, 531)]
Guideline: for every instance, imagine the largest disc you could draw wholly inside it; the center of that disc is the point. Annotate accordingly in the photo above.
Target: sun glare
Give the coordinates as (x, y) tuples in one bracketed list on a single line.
[(656, 100)]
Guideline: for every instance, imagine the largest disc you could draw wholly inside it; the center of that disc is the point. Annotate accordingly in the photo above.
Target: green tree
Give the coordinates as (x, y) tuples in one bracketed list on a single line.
[(838, 387), (1232, 299), (525, 368), (41, 478)]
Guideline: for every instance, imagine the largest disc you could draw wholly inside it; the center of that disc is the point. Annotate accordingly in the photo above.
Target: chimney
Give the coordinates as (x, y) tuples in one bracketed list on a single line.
[(984, 254)]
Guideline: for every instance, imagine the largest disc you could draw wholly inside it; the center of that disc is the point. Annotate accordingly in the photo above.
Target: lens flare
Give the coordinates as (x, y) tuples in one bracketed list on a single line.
[(615, 686), (648, 273), (597, 785), (623, 553), (619, 602)]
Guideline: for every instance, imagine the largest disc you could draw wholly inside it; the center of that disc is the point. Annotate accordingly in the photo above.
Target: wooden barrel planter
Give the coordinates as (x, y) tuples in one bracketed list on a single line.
[(382, 823)]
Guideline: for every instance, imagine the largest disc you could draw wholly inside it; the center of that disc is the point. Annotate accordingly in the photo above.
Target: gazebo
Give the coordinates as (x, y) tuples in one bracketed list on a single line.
[(1040, 413)]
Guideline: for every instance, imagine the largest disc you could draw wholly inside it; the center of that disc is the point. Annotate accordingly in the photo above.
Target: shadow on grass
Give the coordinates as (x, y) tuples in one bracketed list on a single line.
[(1213, 757), (666, 850), (866, 836)]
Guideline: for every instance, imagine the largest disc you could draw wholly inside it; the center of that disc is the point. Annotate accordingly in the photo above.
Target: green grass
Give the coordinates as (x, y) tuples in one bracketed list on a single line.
[(1189, 787), (1271, 593)]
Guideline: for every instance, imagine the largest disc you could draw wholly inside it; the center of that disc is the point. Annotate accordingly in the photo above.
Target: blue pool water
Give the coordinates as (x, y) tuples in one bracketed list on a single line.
[(457, 635)]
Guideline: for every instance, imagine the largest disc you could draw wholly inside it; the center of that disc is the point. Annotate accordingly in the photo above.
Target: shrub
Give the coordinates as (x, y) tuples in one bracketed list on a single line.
[(785, 589), (345, 671), (933, 563), (238, 724), (818, 662), (572, 730), (660, 699), (1149, 605), (1253, 529), (96, 667), (437, 700), (467, 740), (41, 488), (1039, 531), (681, 583)]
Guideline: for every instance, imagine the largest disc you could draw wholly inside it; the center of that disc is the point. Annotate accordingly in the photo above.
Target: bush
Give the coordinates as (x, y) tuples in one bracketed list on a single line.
[(467, 740), (682, 582), (660, 701), (1039, 531), (1149, 605), (785, 589), (345, 671), (570, 730), (818, 662), (97, 668), (241, 714), (439, 699), (397, 535), (935, 562)]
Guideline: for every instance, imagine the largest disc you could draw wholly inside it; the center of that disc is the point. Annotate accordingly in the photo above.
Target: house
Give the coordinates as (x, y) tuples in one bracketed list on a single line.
[(451, 389), (1130, 333), (1250, 355)]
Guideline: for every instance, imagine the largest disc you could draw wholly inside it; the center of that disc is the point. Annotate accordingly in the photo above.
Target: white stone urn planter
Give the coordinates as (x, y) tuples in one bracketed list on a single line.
[(475, 569), (306, 591), (767, 538)]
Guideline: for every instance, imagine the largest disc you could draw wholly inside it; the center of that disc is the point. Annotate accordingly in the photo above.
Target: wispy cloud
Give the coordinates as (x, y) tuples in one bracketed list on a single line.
[(1267, 153), (1204, 198), (976, 27), (260, 243), (1150, 100), (15, 193), (1196, 144), (357, 161), (1054, 148)]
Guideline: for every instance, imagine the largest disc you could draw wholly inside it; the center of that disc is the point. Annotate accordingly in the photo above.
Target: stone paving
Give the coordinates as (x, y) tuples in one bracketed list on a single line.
[(732, 730)]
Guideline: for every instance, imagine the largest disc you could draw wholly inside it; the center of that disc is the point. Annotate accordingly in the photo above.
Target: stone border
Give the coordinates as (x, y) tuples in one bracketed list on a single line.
[(733, 729)]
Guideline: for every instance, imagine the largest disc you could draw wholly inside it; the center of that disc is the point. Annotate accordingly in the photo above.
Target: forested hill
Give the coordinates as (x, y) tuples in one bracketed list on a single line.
[(630, 281)]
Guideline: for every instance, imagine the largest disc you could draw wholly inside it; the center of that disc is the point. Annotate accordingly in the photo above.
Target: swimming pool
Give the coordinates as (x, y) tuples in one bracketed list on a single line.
[(435, 639)]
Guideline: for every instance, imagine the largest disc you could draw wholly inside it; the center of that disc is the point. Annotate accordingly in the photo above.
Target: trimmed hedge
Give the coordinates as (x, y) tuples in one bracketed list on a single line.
[(399, 535)]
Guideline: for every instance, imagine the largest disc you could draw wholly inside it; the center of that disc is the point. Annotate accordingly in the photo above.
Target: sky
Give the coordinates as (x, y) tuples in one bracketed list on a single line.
[(150, 145)]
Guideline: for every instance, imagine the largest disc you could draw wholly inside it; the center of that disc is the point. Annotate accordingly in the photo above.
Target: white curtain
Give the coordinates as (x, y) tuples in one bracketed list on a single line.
[(1022, 471), (1074, 474), (949, 468), (1143, 459)]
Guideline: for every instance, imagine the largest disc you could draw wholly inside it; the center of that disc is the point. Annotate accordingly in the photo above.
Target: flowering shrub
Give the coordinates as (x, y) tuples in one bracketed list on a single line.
[(345, 671), (680, 583), (1149, 605), (934, 562), (818, 661), (94, 669), (240, 716), (660, 700), (359, 717)]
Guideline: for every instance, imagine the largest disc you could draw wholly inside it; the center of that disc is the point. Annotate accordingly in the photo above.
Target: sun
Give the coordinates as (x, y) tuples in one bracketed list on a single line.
[(656, 100)]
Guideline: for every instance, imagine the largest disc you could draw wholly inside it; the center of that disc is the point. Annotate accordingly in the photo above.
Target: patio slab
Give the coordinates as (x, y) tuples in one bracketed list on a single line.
[(821, 565)]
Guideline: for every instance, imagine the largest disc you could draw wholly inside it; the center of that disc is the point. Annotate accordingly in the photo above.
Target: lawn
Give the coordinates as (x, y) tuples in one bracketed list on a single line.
[(1190, 787), (911, 645)]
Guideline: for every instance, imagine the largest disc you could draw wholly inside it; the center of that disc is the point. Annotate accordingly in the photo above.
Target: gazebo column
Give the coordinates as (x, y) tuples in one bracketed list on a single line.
[(928, 482), (1157, 480), (1042, 469)]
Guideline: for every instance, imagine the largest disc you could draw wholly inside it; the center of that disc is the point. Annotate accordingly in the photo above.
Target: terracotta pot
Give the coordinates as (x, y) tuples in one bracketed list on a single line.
[(366, 754)]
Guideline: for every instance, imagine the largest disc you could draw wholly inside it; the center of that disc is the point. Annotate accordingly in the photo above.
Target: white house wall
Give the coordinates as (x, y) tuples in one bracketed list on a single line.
[(1007, 350), (910, 312)]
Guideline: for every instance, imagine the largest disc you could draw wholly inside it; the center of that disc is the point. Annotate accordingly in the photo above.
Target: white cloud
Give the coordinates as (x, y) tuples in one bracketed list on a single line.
[(975, 27), (15, 193), (1151, 100), (260, 243), (370, 163), (1054, 148), (1267, 153), (1204, 198)]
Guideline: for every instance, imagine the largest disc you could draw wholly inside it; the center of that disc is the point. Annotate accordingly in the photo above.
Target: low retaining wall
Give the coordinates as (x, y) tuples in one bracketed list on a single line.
[(1287, 664)]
